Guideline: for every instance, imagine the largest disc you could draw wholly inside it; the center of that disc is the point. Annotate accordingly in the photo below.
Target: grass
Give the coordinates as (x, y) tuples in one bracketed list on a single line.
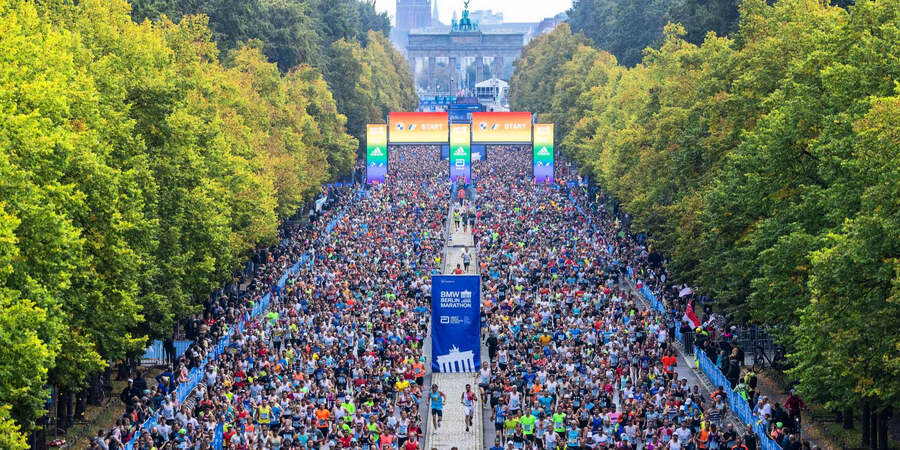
[(827, 434), (843, 438), (99, 417)]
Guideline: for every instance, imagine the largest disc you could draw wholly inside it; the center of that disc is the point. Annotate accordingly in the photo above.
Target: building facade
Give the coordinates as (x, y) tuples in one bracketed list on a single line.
[(414, 14)]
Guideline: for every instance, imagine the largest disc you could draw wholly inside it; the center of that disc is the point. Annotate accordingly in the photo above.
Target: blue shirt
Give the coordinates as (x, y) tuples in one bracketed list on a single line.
[(437, 402)]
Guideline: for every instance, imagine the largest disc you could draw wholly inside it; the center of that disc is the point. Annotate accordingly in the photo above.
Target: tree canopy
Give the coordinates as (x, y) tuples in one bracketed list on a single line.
[(319, 33), (763, 164), (626, 27), (143, 162)]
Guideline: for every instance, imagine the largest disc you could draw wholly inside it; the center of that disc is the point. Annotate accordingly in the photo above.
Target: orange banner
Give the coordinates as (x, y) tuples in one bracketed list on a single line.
[(418, 127), (501, 127)]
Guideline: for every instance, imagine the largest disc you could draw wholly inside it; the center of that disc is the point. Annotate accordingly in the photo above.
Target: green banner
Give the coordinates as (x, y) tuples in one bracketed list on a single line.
[(376, 153), (460, 152), (543, 153)]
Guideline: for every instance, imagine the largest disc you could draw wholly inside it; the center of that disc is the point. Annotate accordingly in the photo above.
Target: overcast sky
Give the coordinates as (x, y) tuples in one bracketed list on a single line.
[(513, 10)]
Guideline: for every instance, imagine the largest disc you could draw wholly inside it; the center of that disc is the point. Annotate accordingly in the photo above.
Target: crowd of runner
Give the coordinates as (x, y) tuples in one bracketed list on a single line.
[(336, 361), (575, 359)]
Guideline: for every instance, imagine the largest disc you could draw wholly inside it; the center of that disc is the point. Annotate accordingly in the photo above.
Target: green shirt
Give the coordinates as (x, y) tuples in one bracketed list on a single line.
[(350, 410), (528, 424), (510, 425), (559, 422)]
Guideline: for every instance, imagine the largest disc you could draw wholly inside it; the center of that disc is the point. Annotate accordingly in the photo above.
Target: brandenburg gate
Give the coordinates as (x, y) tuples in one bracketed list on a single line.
[(463, 41)]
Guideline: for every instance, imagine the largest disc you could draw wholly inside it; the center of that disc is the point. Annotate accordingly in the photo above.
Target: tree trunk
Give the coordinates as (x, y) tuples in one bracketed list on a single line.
[(95, 390), (866, 418), (80, 405), (847, 418), (38, 438), (873, 433), (883, 421), (62, 411)]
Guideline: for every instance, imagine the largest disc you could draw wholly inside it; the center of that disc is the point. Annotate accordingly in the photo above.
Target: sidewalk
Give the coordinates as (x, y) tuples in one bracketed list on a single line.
[(452, 432), (458, 238), (686, 368)]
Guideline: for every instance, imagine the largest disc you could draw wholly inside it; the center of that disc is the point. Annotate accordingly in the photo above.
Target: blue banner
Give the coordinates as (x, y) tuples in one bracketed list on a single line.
[(479, 152), (455, 323)]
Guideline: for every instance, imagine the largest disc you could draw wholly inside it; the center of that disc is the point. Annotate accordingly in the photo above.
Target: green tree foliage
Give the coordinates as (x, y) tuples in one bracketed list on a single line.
[(626, 27), (369, 82), (317, 33), (136, 172), (350, 20), (764, 165), (287, 28), (10, 437), (531, 86)]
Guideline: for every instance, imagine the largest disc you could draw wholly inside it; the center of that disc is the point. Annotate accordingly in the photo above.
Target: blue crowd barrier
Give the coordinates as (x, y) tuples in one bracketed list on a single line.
[(333, 223), (181, 347), (735, 401), (183, 390), (156, 351), (218, 437)]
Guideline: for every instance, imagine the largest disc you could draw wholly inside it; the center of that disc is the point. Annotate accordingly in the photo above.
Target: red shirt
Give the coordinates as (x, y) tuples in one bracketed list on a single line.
[(228, 435)]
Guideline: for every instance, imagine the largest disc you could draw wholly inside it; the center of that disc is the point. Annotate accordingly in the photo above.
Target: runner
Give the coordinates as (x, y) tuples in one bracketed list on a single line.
[(437, 399), (468, 399)]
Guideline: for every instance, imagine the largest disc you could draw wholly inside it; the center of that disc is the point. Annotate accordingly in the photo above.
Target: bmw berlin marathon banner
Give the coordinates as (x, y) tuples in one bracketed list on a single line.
[(455, 323), (376, 153), (460, 152), (543, 153)]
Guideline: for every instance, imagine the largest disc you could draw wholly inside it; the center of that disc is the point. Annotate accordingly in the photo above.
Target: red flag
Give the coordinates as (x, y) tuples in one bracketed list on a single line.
[(690, 314)]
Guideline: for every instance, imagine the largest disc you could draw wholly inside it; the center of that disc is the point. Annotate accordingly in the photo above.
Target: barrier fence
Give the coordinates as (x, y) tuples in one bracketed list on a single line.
[(156, 352), (184, 389), (736, 402)]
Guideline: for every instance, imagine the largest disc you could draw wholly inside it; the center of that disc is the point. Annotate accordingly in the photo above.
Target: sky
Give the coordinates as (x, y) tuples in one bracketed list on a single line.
[(513, 10)]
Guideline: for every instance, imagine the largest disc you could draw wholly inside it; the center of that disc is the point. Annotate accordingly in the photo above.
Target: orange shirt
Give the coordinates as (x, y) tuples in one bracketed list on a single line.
[(704, 438), (668, 362), (322, 416)]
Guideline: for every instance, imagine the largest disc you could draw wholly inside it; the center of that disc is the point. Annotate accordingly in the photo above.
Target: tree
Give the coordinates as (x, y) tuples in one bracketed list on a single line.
[(537, 70), (141, 172), (764, 164), (369, 82), (10, 436), (626, 27), (350, 80), (328, 130)]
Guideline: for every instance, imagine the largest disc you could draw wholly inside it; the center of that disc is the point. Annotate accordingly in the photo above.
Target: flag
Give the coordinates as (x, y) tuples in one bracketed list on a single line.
[(689, 314)]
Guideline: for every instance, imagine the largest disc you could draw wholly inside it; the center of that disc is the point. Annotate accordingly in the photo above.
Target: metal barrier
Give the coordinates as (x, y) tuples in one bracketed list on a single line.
[(156, 353), (184, 389), (735, 401), (219, 436)]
